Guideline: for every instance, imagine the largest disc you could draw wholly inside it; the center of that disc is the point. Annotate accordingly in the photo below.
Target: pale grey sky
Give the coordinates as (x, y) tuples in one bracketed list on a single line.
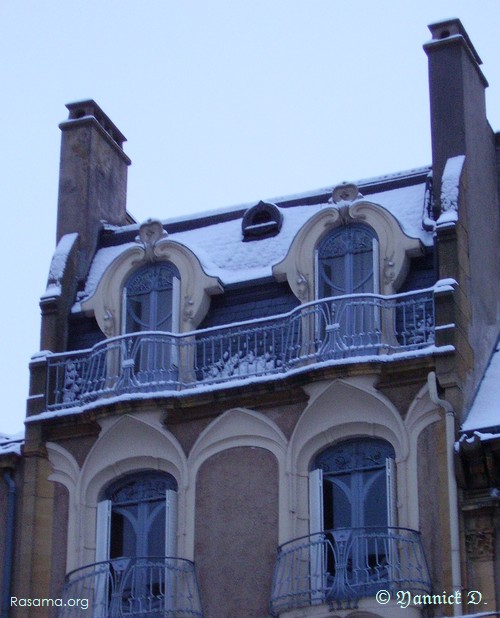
[(223, 102)]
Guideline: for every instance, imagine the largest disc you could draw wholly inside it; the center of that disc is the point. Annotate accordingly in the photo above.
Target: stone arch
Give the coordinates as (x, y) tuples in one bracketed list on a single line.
[(422, 412), (338, 411), (196, 286), (238, 427), (116, 453), (298, 266)]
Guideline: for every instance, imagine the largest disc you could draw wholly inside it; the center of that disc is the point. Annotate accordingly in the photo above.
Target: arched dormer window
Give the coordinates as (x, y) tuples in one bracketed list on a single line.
[(151, 299), (391, 248), (347, 262)]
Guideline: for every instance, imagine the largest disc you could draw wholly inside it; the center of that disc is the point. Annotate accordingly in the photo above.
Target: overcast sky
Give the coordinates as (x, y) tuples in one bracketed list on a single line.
[(222, 102)]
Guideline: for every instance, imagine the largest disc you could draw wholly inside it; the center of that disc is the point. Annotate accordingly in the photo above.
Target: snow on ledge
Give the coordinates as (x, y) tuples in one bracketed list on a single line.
[(238, 383), (58, 265), (11, 444), (41, 355), (450, 184)]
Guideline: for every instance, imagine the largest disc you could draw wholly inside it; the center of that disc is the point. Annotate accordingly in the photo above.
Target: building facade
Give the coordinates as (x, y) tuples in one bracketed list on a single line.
[(275, 410)]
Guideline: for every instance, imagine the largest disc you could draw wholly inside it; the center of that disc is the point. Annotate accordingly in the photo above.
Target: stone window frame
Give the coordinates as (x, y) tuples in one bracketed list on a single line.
[(395, 247), (196, 287)]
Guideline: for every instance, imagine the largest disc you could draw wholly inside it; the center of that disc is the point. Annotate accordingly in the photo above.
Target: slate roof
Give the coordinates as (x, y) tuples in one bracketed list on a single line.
[(216, 237)]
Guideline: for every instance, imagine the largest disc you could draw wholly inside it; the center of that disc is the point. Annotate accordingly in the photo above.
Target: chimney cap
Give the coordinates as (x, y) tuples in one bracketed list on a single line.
[(442, 30), (89, 108)]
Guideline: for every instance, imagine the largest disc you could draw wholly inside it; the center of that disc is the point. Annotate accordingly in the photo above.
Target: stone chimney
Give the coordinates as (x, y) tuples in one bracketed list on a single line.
[(457, 97), (465, 193), (93, 177)]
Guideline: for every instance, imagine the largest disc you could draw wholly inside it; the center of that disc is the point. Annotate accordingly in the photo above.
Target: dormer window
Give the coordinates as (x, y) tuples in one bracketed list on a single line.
[(261, 221), (152, 299), (347, 262), (347, 271)]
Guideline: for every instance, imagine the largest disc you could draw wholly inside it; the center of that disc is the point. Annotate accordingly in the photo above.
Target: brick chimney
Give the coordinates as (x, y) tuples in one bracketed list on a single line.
[(93, 177), (468, 242)]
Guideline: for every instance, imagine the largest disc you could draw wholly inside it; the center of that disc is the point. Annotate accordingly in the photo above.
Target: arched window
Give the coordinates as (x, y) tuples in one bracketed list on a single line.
[(151, 303), (137, 517), (152, 299), (136, 532), (347, 262), (354, 482), (351, 511)]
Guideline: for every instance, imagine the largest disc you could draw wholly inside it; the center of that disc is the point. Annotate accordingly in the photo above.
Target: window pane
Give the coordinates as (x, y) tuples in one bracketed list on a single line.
[(354, 483), (138, 514), (149, 298), (345, 261), (156, 533), (342, 502), (375, 500)]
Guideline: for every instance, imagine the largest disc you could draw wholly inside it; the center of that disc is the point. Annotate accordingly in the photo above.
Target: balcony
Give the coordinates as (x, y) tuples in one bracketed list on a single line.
[(148, 587), (340, 567), (332, 329)]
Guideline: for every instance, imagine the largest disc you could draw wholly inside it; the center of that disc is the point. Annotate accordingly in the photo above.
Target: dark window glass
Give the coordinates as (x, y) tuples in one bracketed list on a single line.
[(345, 262), (138, 515), (149, 295)]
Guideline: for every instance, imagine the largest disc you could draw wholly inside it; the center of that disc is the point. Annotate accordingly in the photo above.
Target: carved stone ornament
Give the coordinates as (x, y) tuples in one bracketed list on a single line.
[(109, 322), (345, 215), (303, 287), (389, 269), (345, 192), (480, 543), (150, 232), (188, 313)]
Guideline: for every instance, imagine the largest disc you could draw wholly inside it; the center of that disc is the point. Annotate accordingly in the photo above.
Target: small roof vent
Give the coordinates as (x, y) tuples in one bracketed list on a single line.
[(263, 220)]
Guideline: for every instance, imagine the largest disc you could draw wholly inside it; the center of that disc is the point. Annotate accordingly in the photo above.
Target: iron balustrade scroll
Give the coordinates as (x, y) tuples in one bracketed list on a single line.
[(340, 327), (129, 587), (339, 567)]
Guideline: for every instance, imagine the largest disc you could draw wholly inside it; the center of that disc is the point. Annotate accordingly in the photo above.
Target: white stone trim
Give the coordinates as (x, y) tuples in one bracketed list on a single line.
[(421, 413), (196, 286), (340, 410), (395, 247), (238, 427), (116, 452)]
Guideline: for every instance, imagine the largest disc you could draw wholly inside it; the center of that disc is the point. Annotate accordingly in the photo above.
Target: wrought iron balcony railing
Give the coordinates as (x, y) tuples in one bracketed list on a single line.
[(340, 327), (339, 567), (131, 587)]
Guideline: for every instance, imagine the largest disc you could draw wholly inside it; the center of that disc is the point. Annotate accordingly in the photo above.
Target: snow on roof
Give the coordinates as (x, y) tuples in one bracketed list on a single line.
[(11, 444), (485, 410), (101, 261), (406, 204), (223, 254)]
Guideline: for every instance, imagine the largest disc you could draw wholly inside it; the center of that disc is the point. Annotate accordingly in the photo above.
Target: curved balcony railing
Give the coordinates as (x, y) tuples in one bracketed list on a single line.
[(340, 327), (131, 587), (339, 567)]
